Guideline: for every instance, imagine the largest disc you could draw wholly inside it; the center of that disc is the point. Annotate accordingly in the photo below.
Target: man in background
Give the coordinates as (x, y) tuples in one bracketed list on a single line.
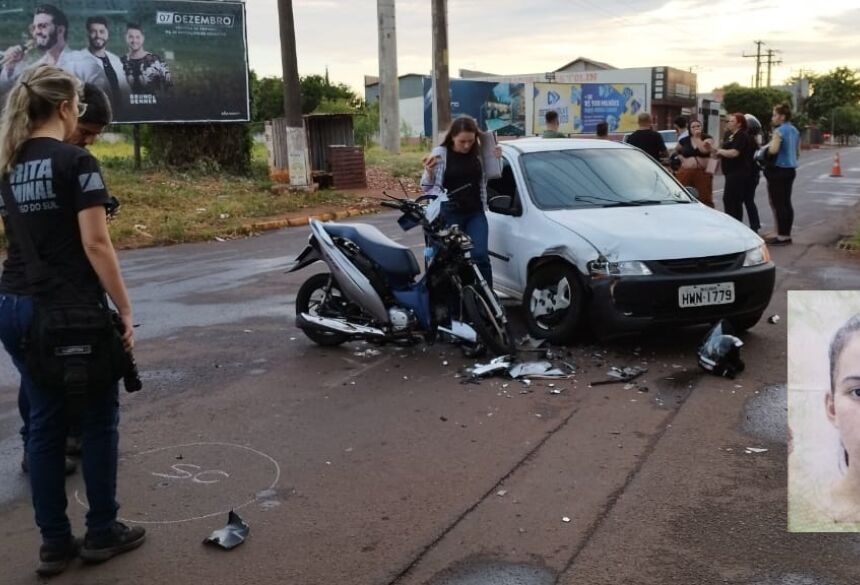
[(551, 118), (648, 139), (602, 130)]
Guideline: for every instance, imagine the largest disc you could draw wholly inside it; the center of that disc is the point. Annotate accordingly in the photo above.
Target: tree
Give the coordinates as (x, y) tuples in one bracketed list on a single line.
[(840, 87), (844, 122), (317, 89), (756, 101)]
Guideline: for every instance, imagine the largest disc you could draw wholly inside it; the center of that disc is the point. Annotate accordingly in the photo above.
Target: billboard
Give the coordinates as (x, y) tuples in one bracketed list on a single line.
[(582, 106), (158, 60), (498, 107)]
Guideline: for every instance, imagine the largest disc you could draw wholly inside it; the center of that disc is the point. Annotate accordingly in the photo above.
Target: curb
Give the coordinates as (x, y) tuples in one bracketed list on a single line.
[(277, 224)]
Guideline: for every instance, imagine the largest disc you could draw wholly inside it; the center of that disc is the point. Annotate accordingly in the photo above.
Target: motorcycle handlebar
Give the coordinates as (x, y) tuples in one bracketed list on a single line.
[(390, 204)]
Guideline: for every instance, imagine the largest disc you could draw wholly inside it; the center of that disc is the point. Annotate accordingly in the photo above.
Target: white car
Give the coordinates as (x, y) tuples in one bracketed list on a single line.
[(592, 230)]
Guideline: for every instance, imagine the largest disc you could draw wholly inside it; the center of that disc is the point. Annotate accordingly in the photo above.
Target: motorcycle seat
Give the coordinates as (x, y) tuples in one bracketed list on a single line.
[(395, 259)]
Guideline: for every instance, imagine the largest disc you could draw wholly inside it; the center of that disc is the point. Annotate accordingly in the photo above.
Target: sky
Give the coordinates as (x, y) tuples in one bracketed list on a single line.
[(708, 37)]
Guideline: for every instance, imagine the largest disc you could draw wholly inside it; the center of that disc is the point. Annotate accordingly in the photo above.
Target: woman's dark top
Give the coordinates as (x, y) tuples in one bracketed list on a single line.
[(741, 142), (463, 169), (52, 182), (687, 149)]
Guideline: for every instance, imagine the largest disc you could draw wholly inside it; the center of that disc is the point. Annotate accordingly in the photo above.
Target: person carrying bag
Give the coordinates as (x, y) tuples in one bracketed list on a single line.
[(54, 321)]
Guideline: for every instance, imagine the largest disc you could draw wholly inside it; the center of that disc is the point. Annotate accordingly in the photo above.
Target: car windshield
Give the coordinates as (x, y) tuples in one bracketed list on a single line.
[(610, 177)]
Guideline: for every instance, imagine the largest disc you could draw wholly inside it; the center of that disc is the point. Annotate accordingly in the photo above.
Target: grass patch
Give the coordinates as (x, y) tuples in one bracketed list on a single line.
[(159, 206), (405, 164)]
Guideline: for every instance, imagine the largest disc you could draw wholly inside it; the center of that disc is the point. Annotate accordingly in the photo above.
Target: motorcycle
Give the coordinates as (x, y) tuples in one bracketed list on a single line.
[(371, 292)]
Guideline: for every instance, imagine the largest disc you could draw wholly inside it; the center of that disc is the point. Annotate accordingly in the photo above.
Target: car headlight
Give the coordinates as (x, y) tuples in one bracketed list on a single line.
[(602, 268), (757, 256)]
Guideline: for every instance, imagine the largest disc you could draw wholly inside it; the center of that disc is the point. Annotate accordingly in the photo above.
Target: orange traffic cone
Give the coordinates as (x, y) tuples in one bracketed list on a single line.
[(836, 171)]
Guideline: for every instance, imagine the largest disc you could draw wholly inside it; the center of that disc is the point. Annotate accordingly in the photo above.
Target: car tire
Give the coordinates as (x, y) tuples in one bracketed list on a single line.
[(543, 286), (307, 302), (742, 324)]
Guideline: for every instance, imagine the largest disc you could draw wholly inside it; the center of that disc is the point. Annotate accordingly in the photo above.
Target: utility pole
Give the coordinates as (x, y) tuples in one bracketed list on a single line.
[(389, 92), (757, 57), (771, 53), (441, 81), (297, 143)]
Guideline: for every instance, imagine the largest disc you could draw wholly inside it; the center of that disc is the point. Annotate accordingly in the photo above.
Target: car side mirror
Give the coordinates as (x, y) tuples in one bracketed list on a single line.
[(503, 204), (694, 192)]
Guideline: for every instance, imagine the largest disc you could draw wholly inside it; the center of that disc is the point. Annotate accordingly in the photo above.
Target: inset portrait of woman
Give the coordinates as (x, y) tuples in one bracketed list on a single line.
[(824, 411)]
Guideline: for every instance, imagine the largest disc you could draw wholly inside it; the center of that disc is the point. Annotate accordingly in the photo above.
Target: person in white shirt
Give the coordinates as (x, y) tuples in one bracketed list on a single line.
[(99, 35), (49, 30)]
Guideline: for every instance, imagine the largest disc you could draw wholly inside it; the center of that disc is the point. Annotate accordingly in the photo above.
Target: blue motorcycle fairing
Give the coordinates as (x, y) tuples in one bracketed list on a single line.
[(395, 259), (417, 298)]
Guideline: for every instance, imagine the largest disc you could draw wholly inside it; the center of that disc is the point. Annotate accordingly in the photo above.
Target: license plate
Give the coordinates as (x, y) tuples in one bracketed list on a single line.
[(701, 295)]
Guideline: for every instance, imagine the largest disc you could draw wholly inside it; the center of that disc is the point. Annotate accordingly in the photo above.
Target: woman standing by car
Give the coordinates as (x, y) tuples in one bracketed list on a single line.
[(456, 164), (694, 151), (736, 155), (785, 146), (68, 228)]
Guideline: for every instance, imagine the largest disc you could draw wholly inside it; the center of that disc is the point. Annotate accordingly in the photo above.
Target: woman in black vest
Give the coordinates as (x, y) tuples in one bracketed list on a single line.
[(737, 157), (60, 197)]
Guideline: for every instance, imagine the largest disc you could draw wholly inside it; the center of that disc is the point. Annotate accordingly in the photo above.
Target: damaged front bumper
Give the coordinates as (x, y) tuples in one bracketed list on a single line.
[(625, 305)]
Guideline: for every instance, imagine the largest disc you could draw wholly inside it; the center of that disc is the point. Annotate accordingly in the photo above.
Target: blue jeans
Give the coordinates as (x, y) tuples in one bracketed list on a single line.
[(475, 225), (46, 440)]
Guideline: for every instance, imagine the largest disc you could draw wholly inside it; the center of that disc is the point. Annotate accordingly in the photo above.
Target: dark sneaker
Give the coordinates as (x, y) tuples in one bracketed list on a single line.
[(71, 465), (54, 559), (778, 241), (119, 539)]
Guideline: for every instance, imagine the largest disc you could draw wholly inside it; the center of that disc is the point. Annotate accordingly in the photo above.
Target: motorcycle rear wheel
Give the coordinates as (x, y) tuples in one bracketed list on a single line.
[(316, 293), (495, 335)]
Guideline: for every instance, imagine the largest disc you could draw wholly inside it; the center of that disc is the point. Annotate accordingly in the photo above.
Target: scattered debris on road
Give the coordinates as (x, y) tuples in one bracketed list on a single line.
[(231, 535), (720, 352), (369, 352), (565, 519), (619, 375), (751, 450), (773, 319)]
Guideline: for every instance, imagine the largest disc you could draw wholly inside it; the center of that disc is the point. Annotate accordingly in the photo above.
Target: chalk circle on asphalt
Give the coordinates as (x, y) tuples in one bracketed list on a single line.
[(192, 481)]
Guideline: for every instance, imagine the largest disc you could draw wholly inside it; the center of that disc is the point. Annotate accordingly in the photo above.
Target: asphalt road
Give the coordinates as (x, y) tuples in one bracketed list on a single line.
[(366, 467)]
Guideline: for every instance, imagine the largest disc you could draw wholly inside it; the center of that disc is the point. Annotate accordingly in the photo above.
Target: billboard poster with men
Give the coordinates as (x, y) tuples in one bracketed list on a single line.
[(158, 60), (497, 107), (581, 107)]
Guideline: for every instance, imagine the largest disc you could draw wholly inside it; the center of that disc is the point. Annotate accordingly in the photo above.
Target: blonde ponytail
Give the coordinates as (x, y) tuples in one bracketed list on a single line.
[(32, 101)]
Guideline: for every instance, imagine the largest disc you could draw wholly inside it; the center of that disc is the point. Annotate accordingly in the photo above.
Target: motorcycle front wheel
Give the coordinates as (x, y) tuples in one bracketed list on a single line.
[(491, 331), (320, 296)]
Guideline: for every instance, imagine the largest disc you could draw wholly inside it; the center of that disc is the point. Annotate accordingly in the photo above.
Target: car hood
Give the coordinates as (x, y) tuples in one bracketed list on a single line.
[(658, 232)]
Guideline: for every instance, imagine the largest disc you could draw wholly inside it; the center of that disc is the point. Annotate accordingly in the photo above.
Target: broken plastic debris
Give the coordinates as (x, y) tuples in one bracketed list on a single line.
[(498, 364), (720, 352), (565, 519), (501, 493), (529, 342), (618, 375), (755, 450), (369, 352), (556, 391), (773, 319), (231, 535), (529, 369)]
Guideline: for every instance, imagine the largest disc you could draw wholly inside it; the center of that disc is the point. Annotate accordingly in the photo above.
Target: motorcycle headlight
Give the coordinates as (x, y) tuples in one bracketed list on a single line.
[(757, 256), (602, 268)]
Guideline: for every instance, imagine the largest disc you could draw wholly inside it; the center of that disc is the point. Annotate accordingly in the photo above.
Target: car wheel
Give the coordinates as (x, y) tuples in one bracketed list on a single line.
[(553, 302), (317, 297), (741, 324)]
